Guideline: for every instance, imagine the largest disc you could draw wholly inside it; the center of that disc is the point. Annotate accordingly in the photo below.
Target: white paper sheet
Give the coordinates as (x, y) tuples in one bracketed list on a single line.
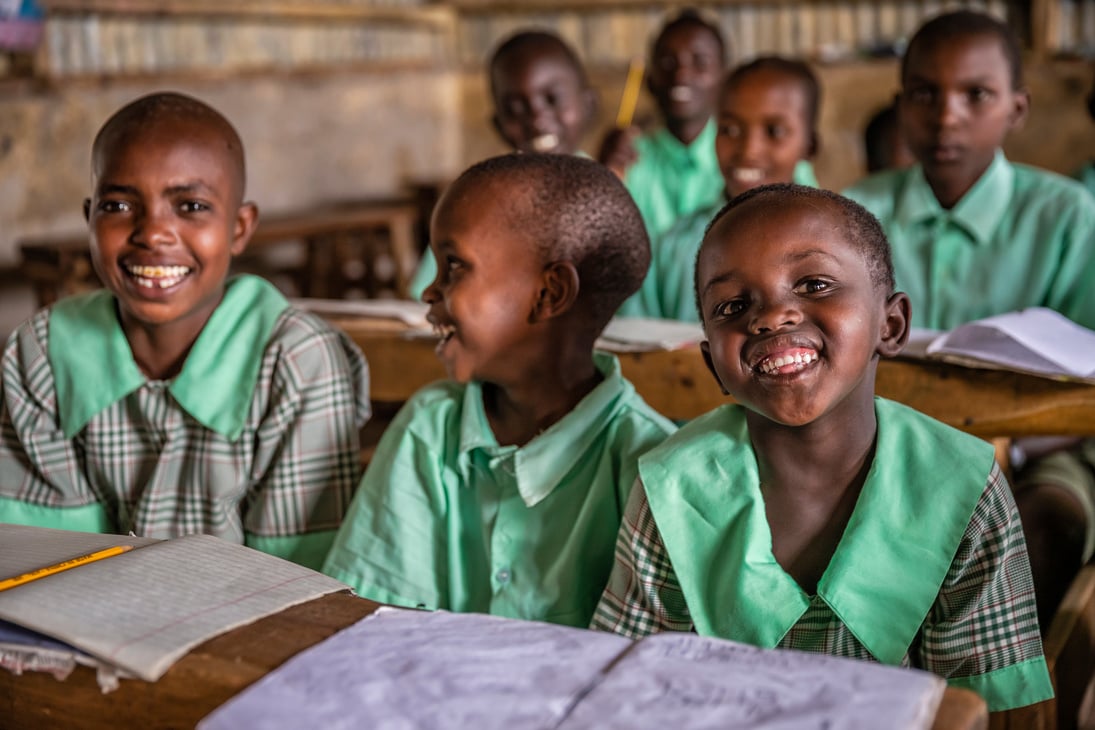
[(640, 334), (676, 680), (405, 310), (400, 669)]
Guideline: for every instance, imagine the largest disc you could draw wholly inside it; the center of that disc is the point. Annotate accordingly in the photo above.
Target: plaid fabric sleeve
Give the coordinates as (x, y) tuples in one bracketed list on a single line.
[(643, 595), (308, 441), (985, 617)]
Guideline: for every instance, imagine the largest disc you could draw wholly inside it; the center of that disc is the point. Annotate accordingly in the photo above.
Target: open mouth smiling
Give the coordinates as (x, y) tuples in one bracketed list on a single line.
[(157, 277), (787, 362)]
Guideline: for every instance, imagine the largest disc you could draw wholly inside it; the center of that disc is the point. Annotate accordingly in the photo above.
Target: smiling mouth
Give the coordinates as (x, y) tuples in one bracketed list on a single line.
[(787, 364), (681, 94), (545, 142), (158, 277), (444, 332), (747, 175)]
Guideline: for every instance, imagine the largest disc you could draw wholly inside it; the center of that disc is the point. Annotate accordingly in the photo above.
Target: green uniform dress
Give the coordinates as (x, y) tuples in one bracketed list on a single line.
[(930, 572), (254, 441), (669, 290), (446, 518), (1021, 237)]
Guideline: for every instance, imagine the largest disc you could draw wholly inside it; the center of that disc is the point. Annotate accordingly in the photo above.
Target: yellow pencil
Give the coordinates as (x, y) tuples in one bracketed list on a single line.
[(631, 94), (64, 565)]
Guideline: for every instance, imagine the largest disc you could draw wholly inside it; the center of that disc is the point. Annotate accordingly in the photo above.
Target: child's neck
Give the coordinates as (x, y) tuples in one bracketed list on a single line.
[(950, 189), (160, 351), (685, 130), (520, 410)]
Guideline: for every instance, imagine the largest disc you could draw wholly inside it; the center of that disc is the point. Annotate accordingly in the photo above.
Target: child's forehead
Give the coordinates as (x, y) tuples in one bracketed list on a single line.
[(924, 58), (764, 78), (818, 219), (534, 54), (693, 34)]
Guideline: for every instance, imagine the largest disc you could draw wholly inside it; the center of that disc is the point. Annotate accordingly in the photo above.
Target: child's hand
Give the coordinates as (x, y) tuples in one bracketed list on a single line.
[(618, 150)]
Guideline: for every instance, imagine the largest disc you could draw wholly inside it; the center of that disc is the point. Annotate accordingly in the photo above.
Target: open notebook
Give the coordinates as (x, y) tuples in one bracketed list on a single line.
[(401, 668), (1037, 341), (142, 610)]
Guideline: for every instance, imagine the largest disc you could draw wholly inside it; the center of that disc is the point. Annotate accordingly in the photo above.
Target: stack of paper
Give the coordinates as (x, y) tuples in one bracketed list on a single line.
[(404, 669), (640, 334)]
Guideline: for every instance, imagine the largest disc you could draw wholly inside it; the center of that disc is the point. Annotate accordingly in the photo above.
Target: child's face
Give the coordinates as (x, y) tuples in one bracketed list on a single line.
[(489, 277), (763, 131), (541, 104), (957, 105), (793, 320), (165, 220), (685, 71)]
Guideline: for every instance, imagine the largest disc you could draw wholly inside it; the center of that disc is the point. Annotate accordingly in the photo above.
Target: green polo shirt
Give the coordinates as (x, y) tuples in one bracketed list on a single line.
[(1086, 176), (669, 288), (1020, 237), (446, 518)]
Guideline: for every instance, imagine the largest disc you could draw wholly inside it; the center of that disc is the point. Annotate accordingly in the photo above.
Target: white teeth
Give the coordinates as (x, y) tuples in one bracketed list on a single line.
[(748, 174), (680, 93), (545, 142), (772, 365), (159, 272), (444, 331)]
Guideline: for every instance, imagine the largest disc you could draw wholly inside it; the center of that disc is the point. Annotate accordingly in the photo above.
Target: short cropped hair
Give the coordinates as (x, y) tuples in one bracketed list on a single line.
[(691, 17), (861, 229), (575, 210), (946, 28), (529, 40), (174, 107), (798, 70)]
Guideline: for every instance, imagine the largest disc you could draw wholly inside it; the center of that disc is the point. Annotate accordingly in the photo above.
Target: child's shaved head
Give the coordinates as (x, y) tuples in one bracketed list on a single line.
[(573, 209), (946, 28), (149, 111)]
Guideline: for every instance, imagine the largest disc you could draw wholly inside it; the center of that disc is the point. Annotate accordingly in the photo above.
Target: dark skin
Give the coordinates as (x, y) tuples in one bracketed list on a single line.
[(779, 284), (683, 76), (166, 217), (508, 318)]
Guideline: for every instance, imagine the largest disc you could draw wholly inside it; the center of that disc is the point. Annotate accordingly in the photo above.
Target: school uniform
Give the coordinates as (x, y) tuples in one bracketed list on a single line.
[(1086, 176), (254, 441), (446, 518), (931, 570), (669, 290), (1020, 237)]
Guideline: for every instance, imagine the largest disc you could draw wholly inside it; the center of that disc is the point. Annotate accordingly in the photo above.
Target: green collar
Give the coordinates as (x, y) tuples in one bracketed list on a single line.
[(915, 506), (698, 153), (543, 462), (93, 366), (804, 174), (978, 213)]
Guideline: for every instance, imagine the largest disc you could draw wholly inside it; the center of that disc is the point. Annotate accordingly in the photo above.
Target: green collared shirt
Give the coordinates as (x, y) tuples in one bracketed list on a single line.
[(931, 570), (446, 518), (669, 289), (1086, 176), (254, 441), (1021, 237), (671, 179)]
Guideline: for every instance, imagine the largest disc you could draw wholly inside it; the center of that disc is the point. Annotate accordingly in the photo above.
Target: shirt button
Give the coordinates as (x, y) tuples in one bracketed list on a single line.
[(502, 575)]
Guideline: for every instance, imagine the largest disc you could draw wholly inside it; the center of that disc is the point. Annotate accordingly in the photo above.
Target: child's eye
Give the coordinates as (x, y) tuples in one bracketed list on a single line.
[(730, 308), (813, 286), (113, 206), (776, 131), (733, 131), (920, 96), (193, 206), (979, 94)]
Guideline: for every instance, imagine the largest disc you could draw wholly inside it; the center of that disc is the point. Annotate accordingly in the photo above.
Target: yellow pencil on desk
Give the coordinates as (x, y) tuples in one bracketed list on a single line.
[(63, 565), (631, 94)]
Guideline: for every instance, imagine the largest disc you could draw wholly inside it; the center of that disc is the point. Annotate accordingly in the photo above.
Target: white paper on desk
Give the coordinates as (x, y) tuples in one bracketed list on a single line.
[(144, 609), (404, 310), (676, 680), (24, 548), (412, 669), (1035, 340), (642, 334)]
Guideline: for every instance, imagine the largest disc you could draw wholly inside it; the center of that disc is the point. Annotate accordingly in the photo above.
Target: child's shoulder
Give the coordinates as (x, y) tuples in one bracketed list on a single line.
[(879, 191), (1046, 189)]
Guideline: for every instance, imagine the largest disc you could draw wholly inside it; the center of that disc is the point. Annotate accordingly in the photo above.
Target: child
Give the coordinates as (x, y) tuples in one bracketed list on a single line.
[(542, 103), (882, 141), (975, 235), (501, 492), (813, 515), (767, 133), (673, 171), (177, 400)]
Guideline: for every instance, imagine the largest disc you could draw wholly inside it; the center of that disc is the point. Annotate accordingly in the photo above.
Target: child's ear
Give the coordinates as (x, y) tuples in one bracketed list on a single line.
[(1021, 105), (705, 348), (895, 327), (247, 219), (558, 291)]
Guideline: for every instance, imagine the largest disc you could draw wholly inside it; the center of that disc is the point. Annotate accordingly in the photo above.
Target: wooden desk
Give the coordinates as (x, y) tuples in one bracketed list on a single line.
[(218, 669), (986, 403), (341, 248)]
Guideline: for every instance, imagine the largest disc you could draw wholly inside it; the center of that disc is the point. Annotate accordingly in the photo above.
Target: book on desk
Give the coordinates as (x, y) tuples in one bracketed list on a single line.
[(142, 609)]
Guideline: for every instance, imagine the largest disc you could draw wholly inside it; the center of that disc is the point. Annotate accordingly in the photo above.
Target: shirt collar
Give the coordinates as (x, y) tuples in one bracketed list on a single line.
[(978, 212), (804, 174), (94, 368), (698, 153), (543, 462), (721, 546)]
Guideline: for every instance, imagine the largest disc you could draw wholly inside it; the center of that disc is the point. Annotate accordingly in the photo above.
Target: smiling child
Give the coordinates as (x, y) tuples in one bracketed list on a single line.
[(501, 490), (812, 515), (178, 400)]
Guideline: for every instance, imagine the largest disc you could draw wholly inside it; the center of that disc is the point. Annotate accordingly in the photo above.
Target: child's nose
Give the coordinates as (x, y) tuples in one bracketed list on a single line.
[(774, 315), (951, 109), (153, 228)]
